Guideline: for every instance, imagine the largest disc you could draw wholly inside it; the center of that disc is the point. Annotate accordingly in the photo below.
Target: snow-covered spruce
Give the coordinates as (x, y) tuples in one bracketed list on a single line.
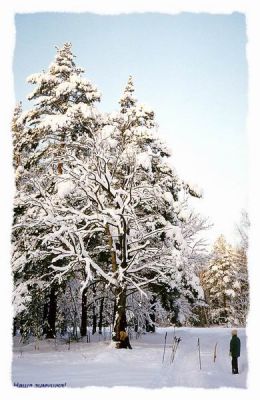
[(97, 202), (225, 283), (61, 119)]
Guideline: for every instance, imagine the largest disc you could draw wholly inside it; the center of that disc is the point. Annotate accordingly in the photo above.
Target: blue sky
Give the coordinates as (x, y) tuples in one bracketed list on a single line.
[(190, 68)]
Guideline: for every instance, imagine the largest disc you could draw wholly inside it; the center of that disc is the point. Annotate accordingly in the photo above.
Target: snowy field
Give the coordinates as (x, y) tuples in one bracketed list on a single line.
[(98, 364)]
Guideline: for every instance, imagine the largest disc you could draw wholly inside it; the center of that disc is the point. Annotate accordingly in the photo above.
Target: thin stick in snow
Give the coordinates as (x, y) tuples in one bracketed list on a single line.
[(215, 352), (176, 342), (165, 338), (199, 352)]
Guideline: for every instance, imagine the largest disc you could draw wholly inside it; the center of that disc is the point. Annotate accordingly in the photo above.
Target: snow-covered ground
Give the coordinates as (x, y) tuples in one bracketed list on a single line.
[(98, 364)]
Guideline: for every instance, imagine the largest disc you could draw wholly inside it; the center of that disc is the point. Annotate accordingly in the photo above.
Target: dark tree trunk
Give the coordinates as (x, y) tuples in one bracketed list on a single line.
[(114, 313), (225, 314), (136, 324), (120, 317), (150, 327), (45, 317), (83, 327), (94, 315), (94, 320), (51, 330), (100, 322), (14, 326)]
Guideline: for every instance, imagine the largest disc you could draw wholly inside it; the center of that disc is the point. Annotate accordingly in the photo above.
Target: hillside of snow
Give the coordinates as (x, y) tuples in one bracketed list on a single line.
[(98, 364)]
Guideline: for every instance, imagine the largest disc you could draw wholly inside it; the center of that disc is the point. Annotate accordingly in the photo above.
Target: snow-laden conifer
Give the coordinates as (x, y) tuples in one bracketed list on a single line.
[(45, 136), (100, 199), (222, 283)]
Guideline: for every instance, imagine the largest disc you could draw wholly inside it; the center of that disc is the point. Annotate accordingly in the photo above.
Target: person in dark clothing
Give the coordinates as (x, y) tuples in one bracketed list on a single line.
[(234, 351), (124, 341)]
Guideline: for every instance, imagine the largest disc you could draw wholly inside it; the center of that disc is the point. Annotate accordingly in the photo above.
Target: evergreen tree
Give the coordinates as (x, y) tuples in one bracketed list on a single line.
[(44, 138), (242, 301), (221, 283), (98, 212)]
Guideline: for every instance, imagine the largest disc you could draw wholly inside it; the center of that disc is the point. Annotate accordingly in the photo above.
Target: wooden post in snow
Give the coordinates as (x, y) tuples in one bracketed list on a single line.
[(199, 352), (165, 339), (215, 352)]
